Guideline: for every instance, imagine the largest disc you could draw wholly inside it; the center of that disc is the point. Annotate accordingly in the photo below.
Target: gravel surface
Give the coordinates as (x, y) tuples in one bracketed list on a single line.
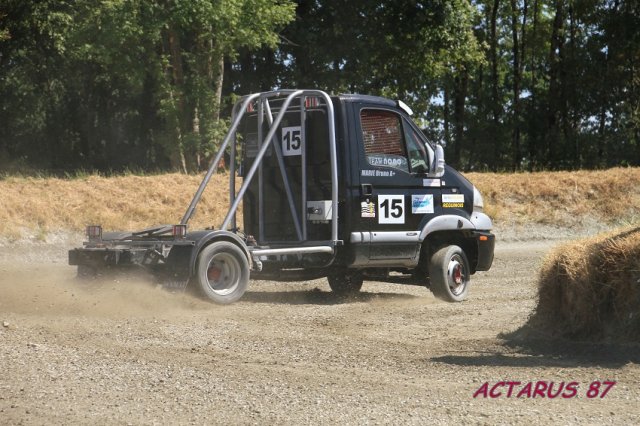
[(126, 352)]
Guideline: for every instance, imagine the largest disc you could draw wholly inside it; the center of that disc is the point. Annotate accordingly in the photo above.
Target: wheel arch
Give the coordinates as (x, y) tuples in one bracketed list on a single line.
[(447, 222), (460, 238), (206, 238)]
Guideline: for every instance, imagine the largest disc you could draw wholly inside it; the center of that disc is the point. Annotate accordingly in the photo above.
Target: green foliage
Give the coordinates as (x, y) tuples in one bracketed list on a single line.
[(4, 32), (577, 95), (112, 84), (115, 85)]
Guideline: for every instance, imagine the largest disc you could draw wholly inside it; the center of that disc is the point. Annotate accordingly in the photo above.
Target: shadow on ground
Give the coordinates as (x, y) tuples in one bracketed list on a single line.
[(318, 297), (527, 347)]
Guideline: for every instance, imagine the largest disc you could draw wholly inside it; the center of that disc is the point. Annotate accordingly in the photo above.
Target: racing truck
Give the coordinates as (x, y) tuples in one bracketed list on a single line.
[(345, 187)]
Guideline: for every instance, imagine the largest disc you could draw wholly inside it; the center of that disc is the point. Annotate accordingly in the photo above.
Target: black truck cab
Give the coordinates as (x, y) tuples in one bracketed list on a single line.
[(345, 187)]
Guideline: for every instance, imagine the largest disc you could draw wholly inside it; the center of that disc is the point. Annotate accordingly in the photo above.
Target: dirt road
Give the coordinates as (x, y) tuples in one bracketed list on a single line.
[(129, 353)]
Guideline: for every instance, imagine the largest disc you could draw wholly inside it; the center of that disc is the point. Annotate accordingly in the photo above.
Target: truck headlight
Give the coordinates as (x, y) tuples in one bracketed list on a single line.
[(478, 203)]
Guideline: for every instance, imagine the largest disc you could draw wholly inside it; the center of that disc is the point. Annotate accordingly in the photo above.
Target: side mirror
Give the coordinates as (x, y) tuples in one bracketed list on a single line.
[(437, 167)]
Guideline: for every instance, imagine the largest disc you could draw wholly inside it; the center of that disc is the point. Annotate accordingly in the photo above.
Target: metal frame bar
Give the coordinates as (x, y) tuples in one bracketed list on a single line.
[(293, 250), (334, 165), (303, 166), (261, 236), (214, 163), (232, 177), (264, 143)]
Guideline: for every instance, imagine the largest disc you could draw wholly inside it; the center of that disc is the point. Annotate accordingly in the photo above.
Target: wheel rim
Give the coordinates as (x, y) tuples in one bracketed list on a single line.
[(457, 277), (223, 274)]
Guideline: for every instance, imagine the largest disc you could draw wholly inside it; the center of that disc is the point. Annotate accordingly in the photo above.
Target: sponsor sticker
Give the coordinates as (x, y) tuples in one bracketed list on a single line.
[(431, 182), (388, 160), (367, 209), (378, 173), (453, 200), (422, 204)]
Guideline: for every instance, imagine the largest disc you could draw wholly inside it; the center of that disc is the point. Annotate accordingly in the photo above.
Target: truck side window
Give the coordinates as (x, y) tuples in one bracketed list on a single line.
[(418, 154), (382, 136)]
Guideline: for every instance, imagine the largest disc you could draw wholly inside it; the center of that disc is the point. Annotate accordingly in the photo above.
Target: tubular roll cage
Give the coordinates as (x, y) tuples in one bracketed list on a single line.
[(299, 218)]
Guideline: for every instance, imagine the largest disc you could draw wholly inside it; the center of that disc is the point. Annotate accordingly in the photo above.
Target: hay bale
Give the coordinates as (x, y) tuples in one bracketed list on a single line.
[(591, 288)]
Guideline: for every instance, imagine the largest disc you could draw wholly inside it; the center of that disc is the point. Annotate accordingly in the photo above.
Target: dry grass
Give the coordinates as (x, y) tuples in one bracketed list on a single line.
[(37, 206), (562, 198), (591, 288)]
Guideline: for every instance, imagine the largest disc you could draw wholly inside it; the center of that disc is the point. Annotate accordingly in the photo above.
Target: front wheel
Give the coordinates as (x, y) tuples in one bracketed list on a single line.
[(449, 274), (222, 272)]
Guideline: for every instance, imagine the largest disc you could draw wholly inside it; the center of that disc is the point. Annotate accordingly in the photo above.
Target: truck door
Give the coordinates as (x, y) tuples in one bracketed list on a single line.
[(396, 197)]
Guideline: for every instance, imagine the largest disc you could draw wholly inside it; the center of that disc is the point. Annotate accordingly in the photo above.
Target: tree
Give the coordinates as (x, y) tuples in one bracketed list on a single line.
[(116, 84), (110, 84), (197, 37)]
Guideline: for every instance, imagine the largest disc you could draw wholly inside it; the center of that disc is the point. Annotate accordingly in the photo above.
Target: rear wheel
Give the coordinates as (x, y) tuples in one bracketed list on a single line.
[(87, 273), (345, 283), (222, 272), (449, 274)]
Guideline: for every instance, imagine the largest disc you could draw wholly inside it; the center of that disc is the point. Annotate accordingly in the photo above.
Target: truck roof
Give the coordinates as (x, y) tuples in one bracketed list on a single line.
[(354, 97)]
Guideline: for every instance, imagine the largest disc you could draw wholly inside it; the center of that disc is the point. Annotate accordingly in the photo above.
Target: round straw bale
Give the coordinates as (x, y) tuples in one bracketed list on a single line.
[(591, 288)]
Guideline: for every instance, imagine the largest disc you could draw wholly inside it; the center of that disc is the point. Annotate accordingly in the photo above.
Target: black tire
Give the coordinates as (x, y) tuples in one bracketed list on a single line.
[(222, 272), (345, 283), (86, 273), (450, 274)]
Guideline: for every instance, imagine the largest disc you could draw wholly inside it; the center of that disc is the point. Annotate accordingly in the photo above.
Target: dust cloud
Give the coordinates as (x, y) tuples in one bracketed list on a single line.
[(54, 290)]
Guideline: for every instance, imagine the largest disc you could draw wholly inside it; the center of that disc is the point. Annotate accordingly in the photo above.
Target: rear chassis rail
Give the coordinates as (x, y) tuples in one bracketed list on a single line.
[(139, 252)]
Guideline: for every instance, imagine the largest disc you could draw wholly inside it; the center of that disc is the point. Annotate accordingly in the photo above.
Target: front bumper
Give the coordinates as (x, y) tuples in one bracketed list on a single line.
[(486, 245)]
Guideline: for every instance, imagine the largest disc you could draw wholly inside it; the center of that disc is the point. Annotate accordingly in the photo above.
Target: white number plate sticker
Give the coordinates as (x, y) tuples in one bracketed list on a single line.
[(291, 141), (390, 208)]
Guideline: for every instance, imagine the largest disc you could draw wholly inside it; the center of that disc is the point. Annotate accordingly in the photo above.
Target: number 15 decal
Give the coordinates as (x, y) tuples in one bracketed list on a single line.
[(391, 208)]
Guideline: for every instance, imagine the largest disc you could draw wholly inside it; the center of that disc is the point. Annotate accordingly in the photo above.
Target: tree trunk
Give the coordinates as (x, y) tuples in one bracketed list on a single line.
[(177, 155), (601, 130), (634, 100), (571, 107), (218, 102), (447, 119), (516, 86), (553, 106), (461, 83), (476, 145), (195, 129), (496, 105), (534, 146), (523, 61), (218, 82)]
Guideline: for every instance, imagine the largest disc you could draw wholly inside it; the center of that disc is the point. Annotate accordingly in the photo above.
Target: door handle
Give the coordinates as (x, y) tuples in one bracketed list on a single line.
[(366, 189)]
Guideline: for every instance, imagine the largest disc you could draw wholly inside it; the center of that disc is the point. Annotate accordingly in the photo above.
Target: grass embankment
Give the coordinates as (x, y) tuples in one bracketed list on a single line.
[(38, 206), (590, 288), (611, 197)]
